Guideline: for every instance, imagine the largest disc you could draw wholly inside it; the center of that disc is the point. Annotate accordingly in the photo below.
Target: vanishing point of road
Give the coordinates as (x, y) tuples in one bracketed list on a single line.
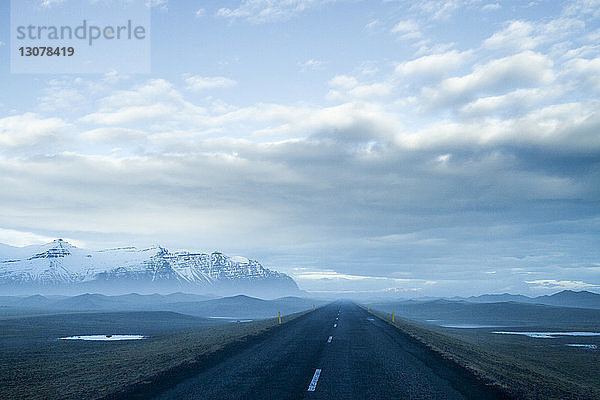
[(339, 351)]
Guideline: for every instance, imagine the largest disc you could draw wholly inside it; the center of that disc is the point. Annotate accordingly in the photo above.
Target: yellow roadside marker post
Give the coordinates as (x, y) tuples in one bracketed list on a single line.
[(368, 307), (313, 307), (392, 317), (279, 317)]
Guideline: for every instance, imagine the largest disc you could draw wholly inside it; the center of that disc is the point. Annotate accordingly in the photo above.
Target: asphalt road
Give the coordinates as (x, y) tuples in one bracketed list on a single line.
[(365, 359)]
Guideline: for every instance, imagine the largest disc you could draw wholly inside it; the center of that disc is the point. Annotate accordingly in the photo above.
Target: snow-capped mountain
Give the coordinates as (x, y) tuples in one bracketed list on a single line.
[(60, 267)]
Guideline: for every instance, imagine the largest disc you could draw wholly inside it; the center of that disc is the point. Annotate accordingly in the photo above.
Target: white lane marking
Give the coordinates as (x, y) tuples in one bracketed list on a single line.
[(330, 339), (315, 379), (335, 325)]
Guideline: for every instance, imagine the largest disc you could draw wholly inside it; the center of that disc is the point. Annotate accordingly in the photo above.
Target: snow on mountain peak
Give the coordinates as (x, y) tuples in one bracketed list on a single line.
[(59, 263)]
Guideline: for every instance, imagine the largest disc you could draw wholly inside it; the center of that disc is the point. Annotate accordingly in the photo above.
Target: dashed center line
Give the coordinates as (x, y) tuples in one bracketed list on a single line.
[(330, 339), (315, 379), (335, 325)]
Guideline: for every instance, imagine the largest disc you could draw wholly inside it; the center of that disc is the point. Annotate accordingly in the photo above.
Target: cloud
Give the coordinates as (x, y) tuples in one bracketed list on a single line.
[(333, 282), (200, 83), (311, 64), (30, 130), (344, 87), (51, 3), (491, 7), (437, 9), (406, 30), (525, 69), (432, 67), (155, 103), (19, 238), (263, 11), (160, 4), (201, 12), (586, 72), (60, 97), (517, 35), (563, 128), (372, 24), (582, 8), (562, 285), (522, 35), (512, 103)]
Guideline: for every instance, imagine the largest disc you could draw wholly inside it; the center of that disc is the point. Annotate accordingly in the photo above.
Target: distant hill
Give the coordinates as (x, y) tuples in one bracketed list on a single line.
[(566, 298), (497, 298), (242, 307), (202, 306), (446, 312), (569, 298)]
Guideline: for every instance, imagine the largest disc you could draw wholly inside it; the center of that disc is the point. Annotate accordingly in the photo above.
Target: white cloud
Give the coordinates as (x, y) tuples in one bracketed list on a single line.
[(526, 69), (201, 12), (19, 239), (406, 30), (586, 72), (60, 97), (438, 9), (311, 64), (517, 35), (582, 8), (561, 285), (156, 103), (525, 35), (516, 102), (30, 130), (331, 281), (200, 83), (262, 11), (434, 66), (491, 7), (372, 24), (344, 87), (50, 3), (160, 4), (405, 26), (568, 126)]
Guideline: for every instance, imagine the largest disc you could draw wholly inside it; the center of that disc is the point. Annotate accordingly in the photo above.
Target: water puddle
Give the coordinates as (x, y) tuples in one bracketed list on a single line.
[(104, 338), (549, 335)]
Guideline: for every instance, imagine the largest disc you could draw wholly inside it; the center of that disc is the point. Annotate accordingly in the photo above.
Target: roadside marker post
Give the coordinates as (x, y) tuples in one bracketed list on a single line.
[(279, 317), (392, 317)]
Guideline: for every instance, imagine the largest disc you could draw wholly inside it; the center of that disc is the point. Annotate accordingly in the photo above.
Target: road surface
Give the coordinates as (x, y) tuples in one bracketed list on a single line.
[(339, 351)]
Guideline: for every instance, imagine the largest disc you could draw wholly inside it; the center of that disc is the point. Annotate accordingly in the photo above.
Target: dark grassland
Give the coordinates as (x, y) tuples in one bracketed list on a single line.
[(35, 364), (525, 367)]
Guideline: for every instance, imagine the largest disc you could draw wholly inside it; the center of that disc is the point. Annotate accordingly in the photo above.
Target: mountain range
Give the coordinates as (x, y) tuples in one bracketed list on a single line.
[(59, 267), (565, 298), (226, 308)]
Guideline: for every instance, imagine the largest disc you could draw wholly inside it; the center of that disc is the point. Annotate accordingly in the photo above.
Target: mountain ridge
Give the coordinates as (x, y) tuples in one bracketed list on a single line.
[(60, 267), (564, 298)]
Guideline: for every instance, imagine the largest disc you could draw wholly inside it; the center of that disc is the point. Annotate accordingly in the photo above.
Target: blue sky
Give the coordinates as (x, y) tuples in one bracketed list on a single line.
[(416, 148)]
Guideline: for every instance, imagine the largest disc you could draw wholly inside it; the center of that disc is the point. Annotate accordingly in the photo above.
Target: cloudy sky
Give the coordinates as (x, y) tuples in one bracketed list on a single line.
[(439, 147)]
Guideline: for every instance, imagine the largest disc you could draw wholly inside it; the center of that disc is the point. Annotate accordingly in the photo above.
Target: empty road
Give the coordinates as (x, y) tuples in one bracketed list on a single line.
[(336, 352)]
